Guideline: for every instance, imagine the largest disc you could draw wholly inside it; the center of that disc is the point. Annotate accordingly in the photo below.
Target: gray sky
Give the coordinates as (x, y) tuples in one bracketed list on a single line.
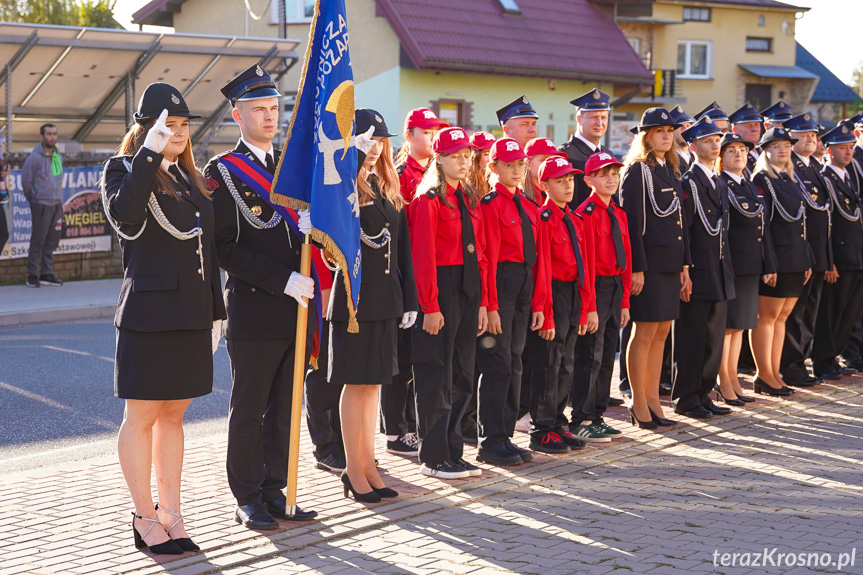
[(828, 30)]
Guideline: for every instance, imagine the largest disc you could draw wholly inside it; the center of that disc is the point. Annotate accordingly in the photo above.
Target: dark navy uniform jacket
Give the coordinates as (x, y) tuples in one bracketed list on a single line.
[(817, 222), (162, 286), (751, 245), (847, 236), (711, 270), (259, 262), (793, 253), (382, 295), (578, 152), (659, 244)]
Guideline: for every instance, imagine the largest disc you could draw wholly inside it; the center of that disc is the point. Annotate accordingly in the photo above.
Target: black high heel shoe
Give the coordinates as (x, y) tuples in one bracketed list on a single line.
[(735, 402), (386, 492), (185, 543), (744, 398), (641, 424), (661, 420), (168, 547), (760, 386), (370, 497)]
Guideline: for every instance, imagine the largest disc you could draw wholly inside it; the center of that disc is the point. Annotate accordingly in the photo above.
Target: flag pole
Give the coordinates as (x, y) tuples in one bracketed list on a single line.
[(297, 392)]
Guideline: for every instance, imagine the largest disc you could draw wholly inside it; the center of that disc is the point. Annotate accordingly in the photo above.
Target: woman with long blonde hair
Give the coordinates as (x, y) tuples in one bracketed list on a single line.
[(477, 170), (169, 310), (651, 196), (786, 212), (363, 361)]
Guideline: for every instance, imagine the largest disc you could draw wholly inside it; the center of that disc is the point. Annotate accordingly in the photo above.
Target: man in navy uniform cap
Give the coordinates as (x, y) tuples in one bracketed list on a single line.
[(842, 298), (263, 290), (518, 120), (746, 122), (680, 145), (776, 114), (854, 348), (800, 325), (716, 115), (592, 111)]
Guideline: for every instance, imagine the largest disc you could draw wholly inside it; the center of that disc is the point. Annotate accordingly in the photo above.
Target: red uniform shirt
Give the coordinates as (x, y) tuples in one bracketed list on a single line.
[(410, 178), (504, 242), (562, 264), (436, 240), (597, 230)]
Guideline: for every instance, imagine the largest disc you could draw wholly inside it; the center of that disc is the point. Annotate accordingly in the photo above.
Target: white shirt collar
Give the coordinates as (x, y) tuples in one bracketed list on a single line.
[(166, 164), (660, 162), (684, 153), (735, 177), (803, 159), (259, 153), (843, 173), (753, 153), (708, 171), (590, 144)]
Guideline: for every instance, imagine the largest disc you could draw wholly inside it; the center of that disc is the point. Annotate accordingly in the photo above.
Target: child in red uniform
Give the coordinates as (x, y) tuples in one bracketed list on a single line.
[(397, 400), (570, 312), (605, 227), (450, 270), (517, 291)]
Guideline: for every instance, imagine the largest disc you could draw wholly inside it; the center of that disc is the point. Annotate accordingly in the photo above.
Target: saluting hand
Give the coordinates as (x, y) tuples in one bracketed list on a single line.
[(365, 142), (159, 135)]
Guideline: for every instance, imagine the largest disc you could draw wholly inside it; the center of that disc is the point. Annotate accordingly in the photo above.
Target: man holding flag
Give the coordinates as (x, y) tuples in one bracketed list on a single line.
[(259, 247)]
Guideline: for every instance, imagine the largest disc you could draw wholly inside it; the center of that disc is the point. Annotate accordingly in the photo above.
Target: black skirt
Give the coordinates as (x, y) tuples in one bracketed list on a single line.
[(743, 309), (163, 365), (365, 358), (659, 300), (787, 285)]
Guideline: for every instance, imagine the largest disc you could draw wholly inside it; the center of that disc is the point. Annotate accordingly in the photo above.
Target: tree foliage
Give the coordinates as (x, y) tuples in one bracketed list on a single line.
[(91, 13)]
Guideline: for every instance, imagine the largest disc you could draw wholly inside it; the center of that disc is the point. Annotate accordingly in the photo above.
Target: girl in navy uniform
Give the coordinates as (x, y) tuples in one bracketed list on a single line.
[(786, 210), (157, 202), (516, 298), (363, 361), (450, 269), (751, 255), (650, 194)]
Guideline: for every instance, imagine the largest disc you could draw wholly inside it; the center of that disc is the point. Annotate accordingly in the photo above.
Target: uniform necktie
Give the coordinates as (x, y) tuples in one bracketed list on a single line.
[(271, 163), (470, 279), (178, 175), (578, 261), (619, 252), (528, 243)]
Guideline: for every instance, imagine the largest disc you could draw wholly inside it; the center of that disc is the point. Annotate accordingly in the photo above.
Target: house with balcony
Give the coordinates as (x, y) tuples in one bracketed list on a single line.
[(462, 59), (730, 51)]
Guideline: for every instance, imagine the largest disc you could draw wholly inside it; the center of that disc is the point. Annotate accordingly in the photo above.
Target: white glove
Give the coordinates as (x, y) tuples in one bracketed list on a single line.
[(299, 287), (365, 142), (217, 335), (305, 222), (408, 319), (159, 135)]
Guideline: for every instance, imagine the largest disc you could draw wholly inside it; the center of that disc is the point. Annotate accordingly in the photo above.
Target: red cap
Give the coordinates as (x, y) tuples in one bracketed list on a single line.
[(450, 141), (542, 146), (481, 140), (556, 167), (598, 161), (506, 150), (423, 118)]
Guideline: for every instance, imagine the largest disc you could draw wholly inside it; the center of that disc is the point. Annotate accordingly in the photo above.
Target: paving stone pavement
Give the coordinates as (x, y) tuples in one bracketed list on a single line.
[(782, 476)]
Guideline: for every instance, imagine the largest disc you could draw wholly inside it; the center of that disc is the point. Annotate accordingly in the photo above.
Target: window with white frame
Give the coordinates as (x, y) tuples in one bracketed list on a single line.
[(694, 58), (695, 14), (296, 11)]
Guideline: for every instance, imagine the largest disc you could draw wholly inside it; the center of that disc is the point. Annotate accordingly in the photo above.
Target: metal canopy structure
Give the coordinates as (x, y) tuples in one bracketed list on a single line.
[(87, 80)]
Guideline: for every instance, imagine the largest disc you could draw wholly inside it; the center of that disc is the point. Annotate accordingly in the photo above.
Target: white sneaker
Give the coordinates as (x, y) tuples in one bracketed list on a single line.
[(523, 424), (445, 470)]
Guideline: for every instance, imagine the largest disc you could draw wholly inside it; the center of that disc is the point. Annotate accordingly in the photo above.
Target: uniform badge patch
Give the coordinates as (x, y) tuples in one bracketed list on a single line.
[(258, 70), (257, 210), (212, 184), (745, 205), (175, 99), (471, 248)]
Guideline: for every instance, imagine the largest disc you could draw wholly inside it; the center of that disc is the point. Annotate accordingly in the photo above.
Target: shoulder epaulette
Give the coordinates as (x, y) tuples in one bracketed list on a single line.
[(488, 197), (430, 194), (546, 214), (401, 169), (579, 216), (589, 207)]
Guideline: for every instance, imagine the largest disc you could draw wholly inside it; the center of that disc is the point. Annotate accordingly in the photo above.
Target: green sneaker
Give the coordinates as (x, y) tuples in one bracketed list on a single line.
[(590, 434), (603, 427)]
